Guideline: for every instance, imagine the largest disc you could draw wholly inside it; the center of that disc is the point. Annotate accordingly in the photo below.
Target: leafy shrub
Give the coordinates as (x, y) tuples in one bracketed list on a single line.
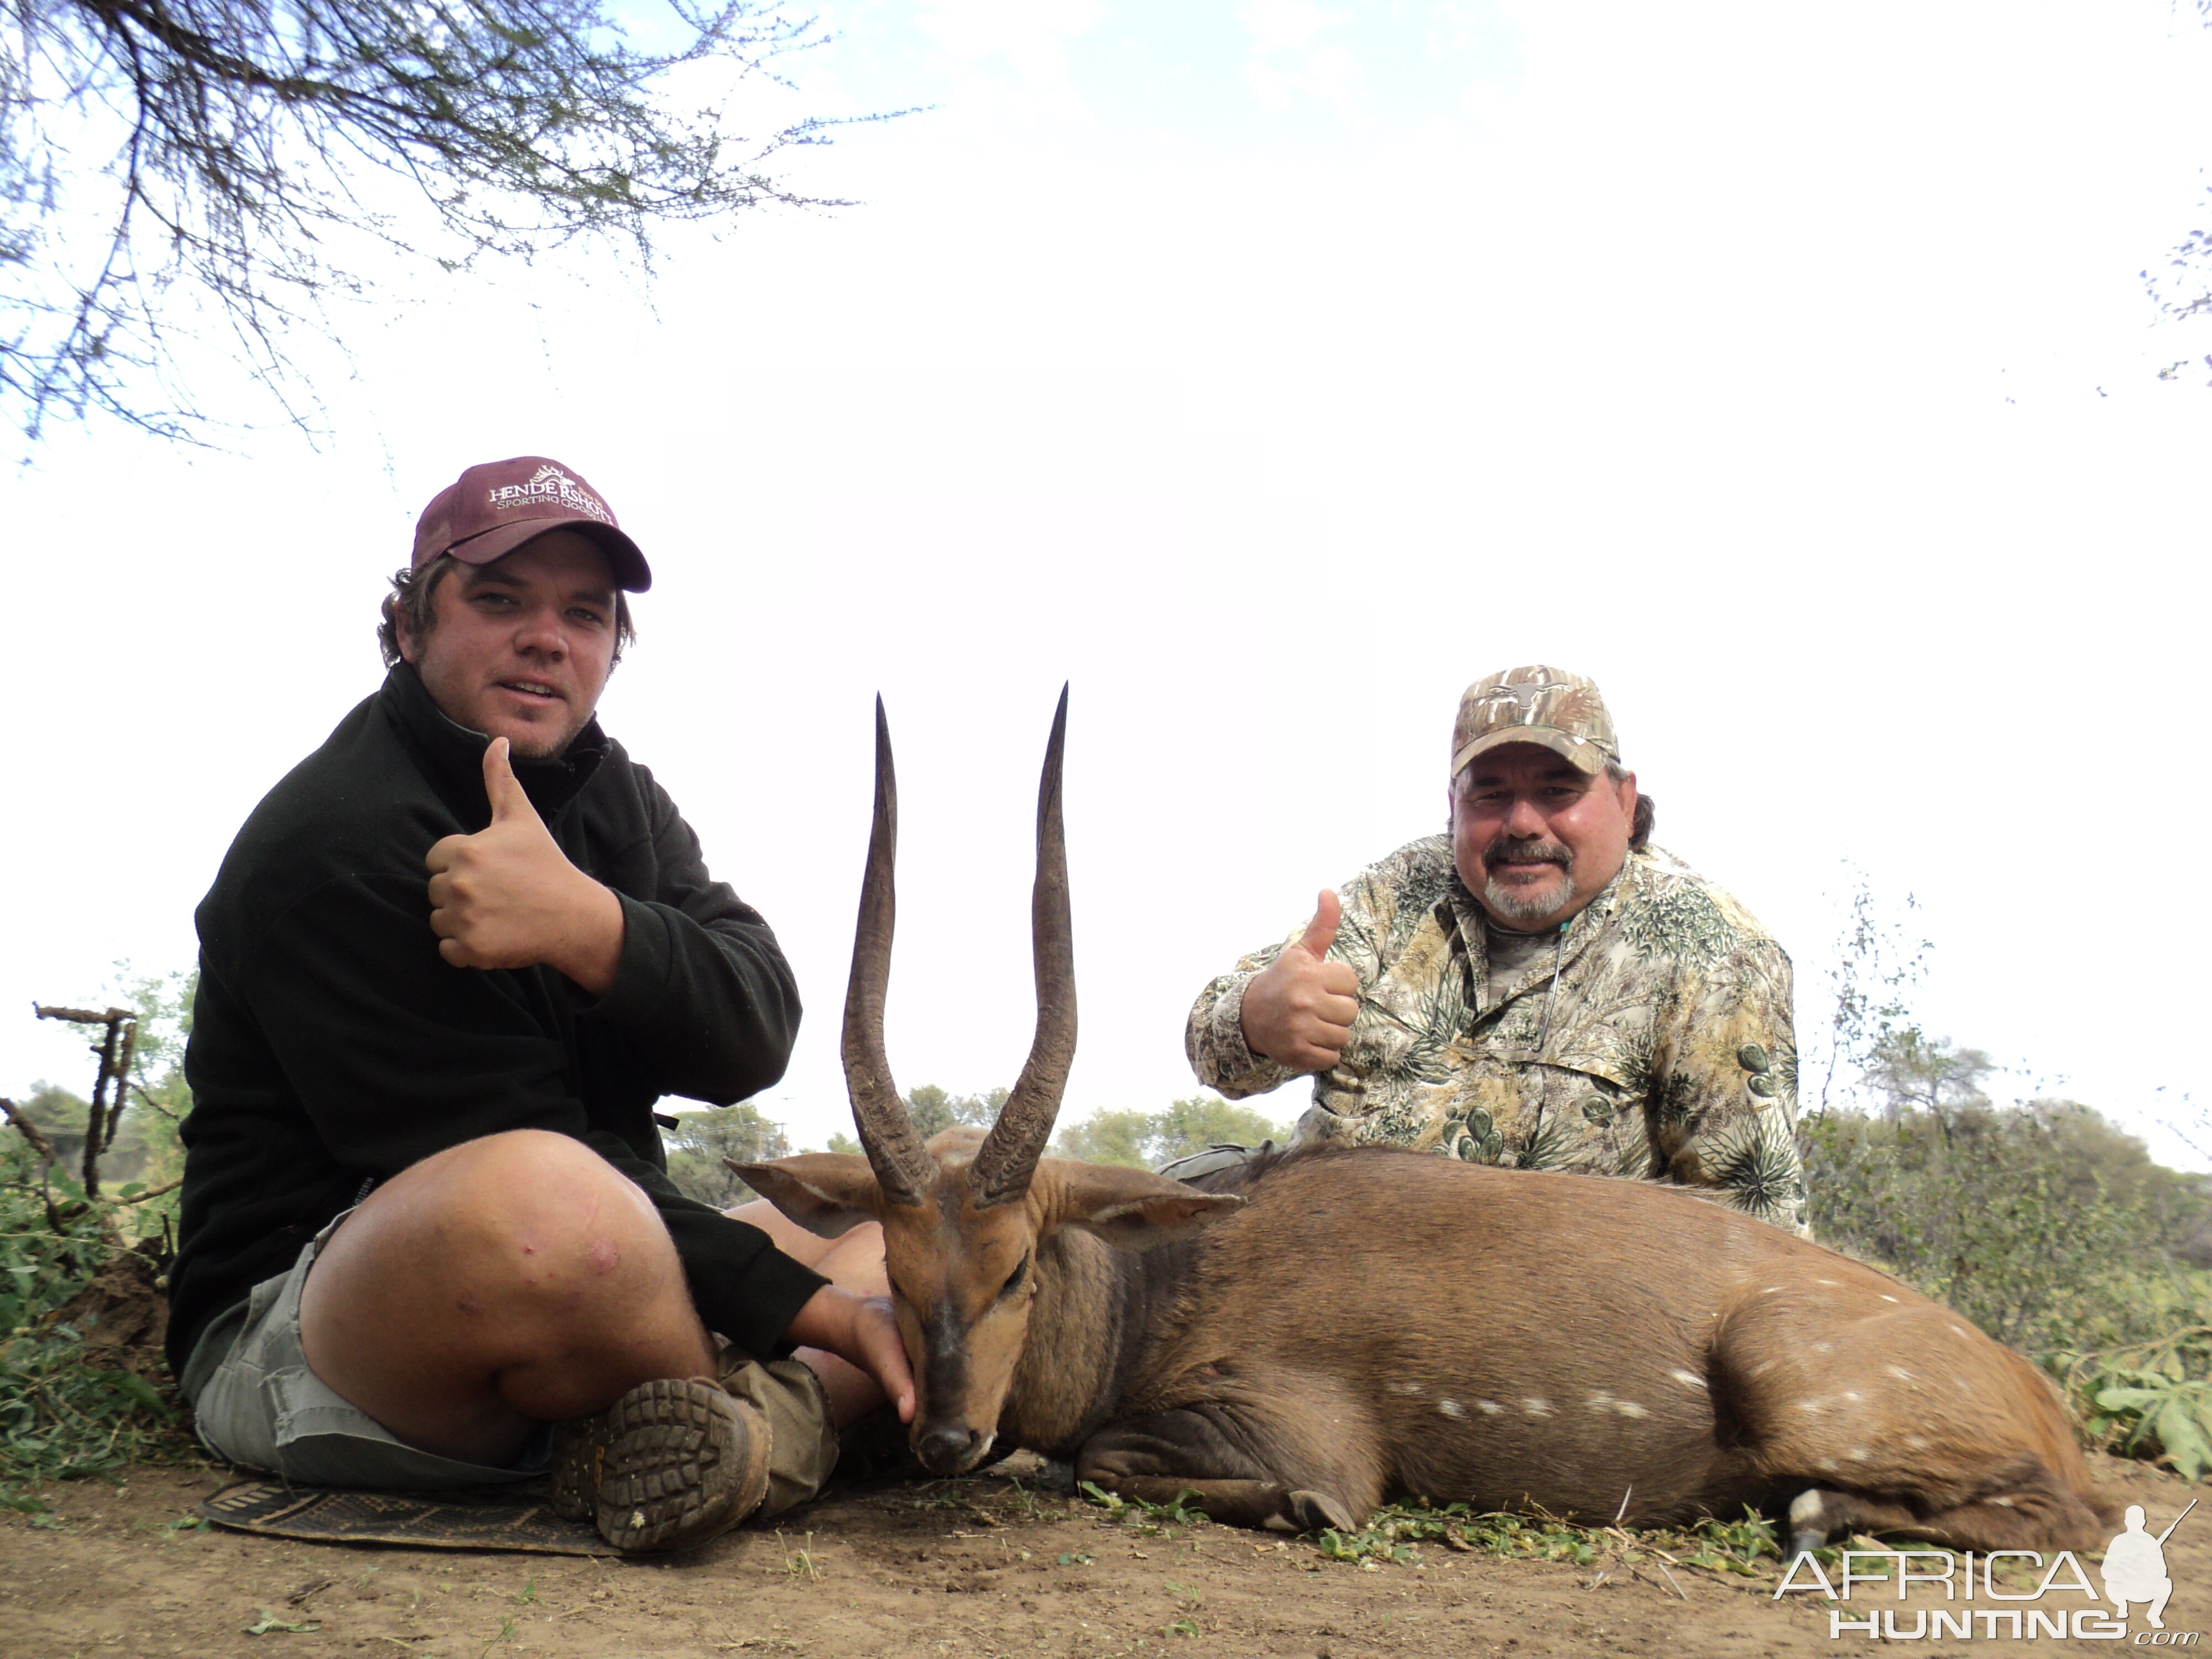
[(2054, 1232), (67, 1408), (2150, 1399), (2041, 1223)]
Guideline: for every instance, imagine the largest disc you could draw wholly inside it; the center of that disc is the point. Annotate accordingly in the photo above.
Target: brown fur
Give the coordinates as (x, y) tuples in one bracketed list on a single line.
[(1350, 1326)]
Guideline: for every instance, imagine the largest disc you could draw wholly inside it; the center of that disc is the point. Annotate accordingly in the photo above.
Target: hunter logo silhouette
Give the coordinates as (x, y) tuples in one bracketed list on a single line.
[(2135, 1567)]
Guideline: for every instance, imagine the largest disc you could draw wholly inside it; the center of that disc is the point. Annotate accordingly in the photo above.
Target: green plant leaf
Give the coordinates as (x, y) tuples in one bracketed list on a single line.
[(138, 1390), (269, 1623)]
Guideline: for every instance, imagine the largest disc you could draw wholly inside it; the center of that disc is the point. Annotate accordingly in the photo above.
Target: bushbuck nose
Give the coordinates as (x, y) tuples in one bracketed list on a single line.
[(946, 1449)]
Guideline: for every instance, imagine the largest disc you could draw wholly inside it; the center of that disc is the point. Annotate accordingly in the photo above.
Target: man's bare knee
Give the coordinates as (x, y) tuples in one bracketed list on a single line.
[(525, 1223)]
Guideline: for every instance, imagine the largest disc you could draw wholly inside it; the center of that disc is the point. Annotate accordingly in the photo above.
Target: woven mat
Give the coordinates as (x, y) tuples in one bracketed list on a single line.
[(496, 1518)]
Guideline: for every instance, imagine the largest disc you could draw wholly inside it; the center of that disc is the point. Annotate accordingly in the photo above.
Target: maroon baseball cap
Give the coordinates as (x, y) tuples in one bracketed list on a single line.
[(490, 510)]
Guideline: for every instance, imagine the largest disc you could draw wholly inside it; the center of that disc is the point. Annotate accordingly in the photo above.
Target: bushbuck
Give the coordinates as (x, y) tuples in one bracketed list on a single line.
[(1321, 1330)]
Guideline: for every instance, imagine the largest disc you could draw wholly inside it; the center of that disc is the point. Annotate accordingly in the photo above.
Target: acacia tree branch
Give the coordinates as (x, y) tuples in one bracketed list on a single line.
[(139, 1088), (240, 130)]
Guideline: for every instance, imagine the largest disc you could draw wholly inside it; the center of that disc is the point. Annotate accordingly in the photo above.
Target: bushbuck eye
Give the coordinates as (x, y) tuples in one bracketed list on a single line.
[(1014, 1279)]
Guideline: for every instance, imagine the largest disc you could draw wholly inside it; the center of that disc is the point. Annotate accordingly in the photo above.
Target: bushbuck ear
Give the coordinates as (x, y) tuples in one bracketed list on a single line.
[(1133, 1209), (828, 1193)]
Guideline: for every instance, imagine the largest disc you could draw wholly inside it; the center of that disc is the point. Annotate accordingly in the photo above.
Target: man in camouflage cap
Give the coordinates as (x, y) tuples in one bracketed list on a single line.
[(1540, 988)]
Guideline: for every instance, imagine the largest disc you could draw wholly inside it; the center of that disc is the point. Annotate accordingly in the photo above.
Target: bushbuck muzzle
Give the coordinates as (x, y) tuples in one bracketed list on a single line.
[(1299, 1339)]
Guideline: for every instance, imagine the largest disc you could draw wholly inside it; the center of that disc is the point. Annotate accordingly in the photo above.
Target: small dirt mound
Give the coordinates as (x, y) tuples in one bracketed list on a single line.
[(123, 1318)]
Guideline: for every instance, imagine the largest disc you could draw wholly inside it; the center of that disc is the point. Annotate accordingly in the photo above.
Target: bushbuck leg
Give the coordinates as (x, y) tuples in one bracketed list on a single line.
[(1203, 1448), (2033, 1510), (1847, 1390)]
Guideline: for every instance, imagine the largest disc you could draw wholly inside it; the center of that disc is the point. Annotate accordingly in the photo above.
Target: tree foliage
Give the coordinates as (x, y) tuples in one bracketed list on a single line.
[(1145, 1140), (935, 1110), (2040, 1223), (701, 1142), (166, 164)]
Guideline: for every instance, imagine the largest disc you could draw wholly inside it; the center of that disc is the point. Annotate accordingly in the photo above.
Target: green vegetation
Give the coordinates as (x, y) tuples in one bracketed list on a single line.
[(1749, 1548), (2041, 1222), (1145, 1140), (701, 1141), (1133, 1139), (934, 1110), (74, 1399)]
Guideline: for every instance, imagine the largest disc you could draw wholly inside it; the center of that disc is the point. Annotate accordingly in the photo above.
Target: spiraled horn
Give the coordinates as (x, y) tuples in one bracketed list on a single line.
[(903, 1167), (1008, 1157)]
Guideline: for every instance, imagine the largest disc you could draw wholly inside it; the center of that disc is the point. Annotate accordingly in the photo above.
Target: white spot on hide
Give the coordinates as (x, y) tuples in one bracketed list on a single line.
[(1686, 1380), (1451, 1408), (1900, 1373), (1630, 1408), (1536, 1407), (1858, 1454), (1887, 1296), (1488, 1407)]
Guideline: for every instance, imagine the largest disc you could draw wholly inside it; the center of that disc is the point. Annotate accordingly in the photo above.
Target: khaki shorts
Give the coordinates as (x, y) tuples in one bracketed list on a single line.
[(256, 1404)]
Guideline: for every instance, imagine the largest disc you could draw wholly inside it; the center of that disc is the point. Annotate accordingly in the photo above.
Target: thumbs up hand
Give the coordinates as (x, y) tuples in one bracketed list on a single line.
[(1298, 1010), (507, 897)]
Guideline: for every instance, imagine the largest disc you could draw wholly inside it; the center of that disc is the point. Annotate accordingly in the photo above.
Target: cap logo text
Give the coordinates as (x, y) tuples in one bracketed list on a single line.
[(550, 485)]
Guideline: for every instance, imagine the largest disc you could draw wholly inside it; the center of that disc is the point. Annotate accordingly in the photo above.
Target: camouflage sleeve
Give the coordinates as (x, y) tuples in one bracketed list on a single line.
[(1213, 1036), (1726, 1086)]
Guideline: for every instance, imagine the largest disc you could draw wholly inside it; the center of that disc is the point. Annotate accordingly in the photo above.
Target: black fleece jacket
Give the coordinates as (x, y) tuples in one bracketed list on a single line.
[(332, 1047)]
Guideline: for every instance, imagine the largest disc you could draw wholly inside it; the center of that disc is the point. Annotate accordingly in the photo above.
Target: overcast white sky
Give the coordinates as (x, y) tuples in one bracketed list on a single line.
[(1271, 370)]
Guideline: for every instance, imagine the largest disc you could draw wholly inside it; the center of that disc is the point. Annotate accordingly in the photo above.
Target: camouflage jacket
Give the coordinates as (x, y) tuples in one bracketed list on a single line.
[(1664, 1051)]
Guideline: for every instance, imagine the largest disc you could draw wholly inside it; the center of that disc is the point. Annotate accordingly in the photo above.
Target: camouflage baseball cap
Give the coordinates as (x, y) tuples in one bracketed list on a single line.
[(1561, 711)]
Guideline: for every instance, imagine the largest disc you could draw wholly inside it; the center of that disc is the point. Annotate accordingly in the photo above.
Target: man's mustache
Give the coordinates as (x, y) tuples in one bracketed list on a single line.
[(1506, 850)]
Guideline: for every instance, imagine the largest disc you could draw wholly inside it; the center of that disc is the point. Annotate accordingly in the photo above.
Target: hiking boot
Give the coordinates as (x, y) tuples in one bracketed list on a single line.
[(672, 1463)]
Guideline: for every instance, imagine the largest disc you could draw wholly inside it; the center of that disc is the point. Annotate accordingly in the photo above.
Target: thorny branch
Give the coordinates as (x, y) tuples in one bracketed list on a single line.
[(245, 139)]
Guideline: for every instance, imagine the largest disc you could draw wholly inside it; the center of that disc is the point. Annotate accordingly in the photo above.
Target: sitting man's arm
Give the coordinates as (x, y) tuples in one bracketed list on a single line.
[(1724, 1095), (395, 1054), (692, 975), (1288, 1010)]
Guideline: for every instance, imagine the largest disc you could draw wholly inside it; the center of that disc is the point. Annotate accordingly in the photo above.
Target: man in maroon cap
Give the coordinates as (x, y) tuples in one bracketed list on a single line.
[(447, 968)]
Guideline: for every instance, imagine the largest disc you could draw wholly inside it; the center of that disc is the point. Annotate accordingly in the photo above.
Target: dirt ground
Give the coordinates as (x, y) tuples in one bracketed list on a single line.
[(986, 1566)]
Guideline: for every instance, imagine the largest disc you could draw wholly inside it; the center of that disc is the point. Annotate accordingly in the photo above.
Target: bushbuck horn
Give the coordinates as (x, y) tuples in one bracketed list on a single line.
[(903, 1170), (1008, 1157)]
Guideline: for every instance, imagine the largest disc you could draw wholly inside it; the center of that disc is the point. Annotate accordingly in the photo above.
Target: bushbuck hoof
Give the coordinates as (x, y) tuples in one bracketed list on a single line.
[(1315, 1510)]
